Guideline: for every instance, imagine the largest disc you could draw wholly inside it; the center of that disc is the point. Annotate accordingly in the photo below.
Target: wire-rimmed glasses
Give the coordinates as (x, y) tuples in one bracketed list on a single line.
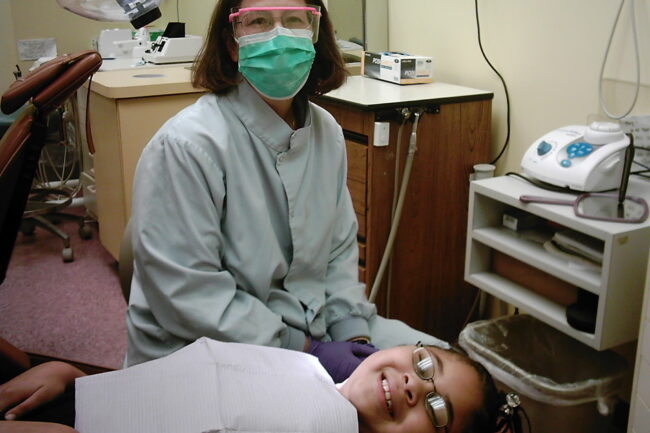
[(425, 365)]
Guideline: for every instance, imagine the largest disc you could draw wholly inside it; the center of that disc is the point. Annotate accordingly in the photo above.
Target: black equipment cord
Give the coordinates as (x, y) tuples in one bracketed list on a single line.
[(505, 87)]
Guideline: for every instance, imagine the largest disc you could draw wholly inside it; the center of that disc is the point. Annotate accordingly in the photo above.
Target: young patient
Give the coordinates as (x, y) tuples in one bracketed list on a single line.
[(407, 389)]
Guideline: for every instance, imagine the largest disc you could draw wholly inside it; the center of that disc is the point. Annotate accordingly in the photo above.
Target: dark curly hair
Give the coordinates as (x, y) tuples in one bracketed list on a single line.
[(491, 416), (484, 420)]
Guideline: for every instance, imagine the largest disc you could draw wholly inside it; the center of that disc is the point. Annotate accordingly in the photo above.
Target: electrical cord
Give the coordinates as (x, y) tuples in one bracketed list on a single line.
[(541, 184), (472, 309), (178, 15), (642, 165), (503, 81), (62, 170), (603, 105), (551, 187)]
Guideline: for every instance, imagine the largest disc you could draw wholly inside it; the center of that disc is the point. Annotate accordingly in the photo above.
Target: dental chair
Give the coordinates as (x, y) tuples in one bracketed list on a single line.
[(40, 92), (43, 90)]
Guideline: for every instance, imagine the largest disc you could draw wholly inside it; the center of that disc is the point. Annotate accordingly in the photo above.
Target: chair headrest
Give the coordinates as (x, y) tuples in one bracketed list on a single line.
[(51, 83)]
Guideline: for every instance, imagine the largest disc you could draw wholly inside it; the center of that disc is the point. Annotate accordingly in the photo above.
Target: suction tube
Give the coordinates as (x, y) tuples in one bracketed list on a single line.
[(408, 164)]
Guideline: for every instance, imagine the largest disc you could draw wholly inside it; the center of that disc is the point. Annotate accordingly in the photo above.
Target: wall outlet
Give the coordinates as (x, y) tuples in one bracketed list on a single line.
[(382, 134)]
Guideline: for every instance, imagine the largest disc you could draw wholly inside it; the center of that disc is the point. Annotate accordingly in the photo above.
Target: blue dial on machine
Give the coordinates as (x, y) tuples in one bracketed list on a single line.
[(544, 147)]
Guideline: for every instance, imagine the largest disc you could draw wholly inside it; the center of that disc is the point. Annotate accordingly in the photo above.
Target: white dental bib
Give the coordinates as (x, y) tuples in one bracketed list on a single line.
[(211, 386)]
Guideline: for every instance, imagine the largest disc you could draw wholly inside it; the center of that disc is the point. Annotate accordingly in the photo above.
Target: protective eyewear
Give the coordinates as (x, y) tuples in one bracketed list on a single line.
[(254, 20), (425, 365)]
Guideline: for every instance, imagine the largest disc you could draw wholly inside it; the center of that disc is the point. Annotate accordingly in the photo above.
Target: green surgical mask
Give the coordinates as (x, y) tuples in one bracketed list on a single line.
[(277, 63)]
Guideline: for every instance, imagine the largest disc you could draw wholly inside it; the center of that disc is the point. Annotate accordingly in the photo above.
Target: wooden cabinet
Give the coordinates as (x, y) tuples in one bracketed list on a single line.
[(127, 107), (618, 283), (427, 290)]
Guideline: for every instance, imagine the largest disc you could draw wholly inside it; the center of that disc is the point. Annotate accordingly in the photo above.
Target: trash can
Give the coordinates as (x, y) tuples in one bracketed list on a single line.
[(563, 384)]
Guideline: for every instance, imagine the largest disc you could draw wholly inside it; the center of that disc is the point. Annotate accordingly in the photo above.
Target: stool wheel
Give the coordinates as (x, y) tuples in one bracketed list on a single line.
[(67, 254), (85, 232)]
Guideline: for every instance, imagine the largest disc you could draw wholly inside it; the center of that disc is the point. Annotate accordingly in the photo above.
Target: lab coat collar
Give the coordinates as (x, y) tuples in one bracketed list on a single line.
[(260, 119)]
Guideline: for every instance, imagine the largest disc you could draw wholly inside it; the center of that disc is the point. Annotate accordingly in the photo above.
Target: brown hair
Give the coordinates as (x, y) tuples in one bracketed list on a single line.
[(216, 71), (484, 419)]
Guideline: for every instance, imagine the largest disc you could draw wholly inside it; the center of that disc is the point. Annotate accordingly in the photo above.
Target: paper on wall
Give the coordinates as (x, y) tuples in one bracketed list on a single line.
[(32, 49)]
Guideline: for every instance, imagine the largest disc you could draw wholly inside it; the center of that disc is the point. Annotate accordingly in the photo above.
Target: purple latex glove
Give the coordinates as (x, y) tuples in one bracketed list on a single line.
[(340, 358)]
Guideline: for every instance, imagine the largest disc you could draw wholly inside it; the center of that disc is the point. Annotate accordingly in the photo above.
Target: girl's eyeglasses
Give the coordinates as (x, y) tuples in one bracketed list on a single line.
[(425, 366)]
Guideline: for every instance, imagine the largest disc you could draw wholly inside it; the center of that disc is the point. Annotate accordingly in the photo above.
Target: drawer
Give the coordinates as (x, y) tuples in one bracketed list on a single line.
[(548, 286), (352, 120), (361, 220), (358, 193), (362, 274), (362, 251), (357, 161)]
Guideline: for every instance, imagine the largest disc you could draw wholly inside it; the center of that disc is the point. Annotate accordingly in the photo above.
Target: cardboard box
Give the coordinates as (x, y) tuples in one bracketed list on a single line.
[(550, 287), (397, 67)]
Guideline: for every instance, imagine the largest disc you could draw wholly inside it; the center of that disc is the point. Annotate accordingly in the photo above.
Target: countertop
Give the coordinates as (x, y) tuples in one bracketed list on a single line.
[(142, 82), (370, 93), (366, 92)]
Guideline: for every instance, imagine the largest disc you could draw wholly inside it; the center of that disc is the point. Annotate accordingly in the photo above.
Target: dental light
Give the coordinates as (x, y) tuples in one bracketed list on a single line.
[(138, 12)]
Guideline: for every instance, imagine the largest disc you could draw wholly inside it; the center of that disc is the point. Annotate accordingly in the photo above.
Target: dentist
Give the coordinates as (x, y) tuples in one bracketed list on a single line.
[(243, 226)]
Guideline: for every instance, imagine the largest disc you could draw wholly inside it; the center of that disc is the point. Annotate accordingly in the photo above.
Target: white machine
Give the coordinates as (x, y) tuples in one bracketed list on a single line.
[(583, 158), (138, 12), (110, 41), (174, 50)]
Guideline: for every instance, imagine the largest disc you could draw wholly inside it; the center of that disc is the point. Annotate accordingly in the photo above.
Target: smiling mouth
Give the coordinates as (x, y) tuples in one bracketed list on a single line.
[(387, 396)]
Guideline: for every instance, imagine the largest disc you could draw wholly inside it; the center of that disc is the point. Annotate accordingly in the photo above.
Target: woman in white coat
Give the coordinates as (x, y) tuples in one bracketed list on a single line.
[(243, 226)]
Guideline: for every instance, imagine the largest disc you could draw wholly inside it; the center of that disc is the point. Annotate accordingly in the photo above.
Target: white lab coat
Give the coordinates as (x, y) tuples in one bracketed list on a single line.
[(244, 231)]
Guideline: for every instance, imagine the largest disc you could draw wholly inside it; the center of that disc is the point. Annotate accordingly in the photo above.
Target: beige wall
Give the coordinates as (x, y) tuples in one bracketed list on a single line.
[(548, 51), (348, 16), (195, 14), (7, 50), (33, 19)]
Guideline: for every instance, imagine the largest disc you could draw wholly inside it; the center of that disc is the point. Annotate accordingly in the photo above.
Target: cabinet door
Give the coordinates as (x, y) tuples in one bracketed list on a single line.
[(357, 166), (355, 129)]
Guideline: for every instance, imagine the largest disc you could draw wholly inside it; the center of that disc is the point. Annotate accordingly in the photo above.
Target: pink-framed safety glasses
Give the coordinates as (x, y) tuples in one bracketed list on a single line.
[(253, 20)]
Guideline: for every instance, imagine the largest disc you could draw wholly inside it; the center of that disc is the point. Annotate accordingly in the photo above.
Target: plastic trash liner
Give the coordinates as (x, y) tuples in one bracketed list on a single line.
[(540, 362)]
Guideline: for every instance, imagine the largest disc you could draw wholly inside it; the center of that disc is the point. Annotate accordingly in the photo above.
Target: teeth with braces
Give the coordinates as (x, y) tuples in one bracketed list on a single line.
[(384, 385)]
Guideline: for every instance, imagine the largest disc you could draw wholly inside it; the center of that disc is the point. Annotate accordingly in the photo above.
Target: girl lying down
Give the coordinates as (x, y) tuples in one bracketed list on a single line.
[(210, 387)]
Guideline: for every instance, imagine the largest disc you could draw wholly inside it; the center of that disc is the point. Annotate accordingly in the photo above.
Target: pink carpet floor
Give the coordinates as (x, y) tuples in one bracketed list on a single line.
[(73, 311)]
